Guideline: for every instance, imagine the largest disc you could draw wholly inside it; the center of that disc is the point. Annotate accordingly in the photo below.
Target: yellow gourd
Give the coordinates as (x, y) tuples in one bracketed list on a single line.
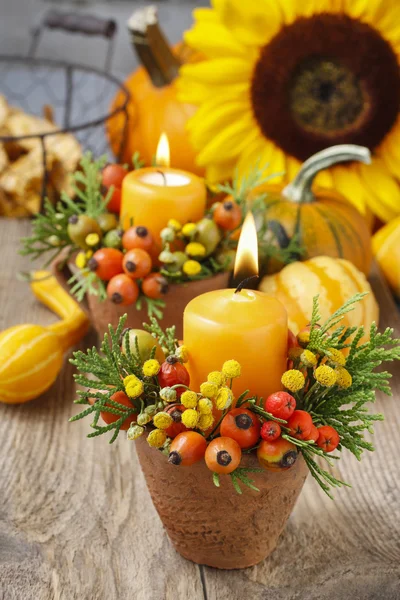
[(334, 280), (31, 356), (386, 248)]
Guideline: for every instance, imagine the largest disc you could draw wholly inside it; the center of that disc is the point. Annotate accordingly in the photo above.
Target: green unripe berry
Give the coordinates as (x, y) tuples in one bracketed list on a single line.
[(107, 222), (113, 238), (207, 234)]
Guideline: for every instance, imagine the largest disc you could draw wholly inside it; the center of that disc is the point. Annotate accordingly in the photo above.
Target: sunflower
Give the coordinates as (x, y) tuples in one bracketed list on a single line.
[(283, 79)]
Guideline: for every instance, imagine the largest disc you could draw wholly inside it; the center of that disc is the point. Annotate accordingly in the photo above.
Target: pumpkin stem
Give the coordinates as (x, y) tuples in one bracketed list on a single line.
[(299, 190), (152, 47)]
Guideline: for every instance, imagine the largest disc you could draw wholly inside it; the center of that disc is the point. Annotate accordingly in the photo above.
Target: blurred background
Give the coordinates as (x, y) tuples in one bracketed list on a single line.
[(18, 16)]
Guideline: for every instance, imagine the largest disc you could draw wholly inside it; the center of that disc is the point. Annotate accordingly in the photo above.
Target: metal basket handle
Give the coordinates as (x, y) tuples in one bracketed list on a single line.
[(80, 23), (71, 22)]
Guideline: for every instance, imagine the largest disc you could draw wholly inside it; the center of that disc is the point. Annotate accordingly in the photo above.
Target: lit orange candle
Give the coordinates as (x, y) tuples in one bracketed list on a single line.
[(246, 325), (154, 195)]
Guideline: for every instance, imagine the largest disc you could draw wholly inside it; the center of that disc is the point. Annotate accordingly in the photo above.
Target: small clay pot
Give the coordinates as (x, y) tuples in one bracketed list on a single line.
[(216, 526), (104, 313)]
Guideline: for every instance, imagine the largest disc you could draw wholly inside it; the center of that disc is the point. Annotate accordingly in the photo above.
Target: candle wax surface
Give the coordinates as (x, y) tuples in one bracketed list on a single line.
[(162, 179), (249, 326), (151, 201)]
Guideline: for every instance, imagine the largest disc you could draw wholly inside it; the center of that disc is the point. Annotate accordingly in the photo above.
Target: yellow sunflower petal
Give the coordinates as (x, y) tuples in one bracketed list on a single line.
[(389, 150), (347, 181), (293, 9), (252, 22), (383, 15), (381, 190), (220, 172), (226, 99), (229, 142), (324, 179), (205, 15), (214, 40), (277, 165), (215, 122), (262, 154), (360, 8), (251, 156), (292, 168), (219, 71), (192, 92)]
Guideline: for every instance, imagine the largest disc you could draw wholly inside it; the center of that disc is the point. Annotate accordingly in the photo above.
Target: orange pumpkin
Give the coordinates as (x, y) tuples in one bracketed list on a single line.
[(154, 107), (386, 247), (334, 280), (325, 222)]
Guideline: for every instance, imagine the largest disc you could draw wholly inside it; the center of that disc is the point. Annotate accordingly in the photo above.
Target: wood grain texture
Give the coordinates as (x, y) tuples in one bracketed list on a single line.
[(76, 520)]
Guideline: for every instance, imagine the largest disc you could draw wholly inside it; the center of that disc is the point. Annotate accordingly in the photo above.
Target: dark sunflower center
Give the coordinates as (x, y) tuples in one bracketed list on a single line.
[(324, 80), (325, 96)]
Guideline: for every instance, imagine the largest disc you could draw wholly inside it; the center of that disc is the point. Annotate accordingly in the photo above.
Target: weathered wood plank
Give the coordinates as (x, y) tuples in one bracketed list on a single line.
[(76, 520), (349, 548)]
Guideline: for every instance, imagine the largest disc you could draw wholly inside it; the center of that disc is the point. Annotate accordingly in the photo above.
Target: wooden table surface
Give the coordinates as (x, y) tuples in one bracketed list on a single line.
[(77, 522)]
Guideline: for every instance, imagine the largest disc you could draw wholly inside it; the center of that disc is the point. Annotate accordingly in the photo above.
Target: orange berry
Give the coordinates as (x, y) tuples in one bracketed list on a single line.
[(228, 215), (137, 263), (270, 431), (223, 455), (113, 174), (106, 263), (122, 290), (281, 405), (120, 398), (242, 426), (277, 455), (300, 424), (137, 237), (314, 434), (187, 448), (155, 286), (175, 411), (328, 438), (292, 340)]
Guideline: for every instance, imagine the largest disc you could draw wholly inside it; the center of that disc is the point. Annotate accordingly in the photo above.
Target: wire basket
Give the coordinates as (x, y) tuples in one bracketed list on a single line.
[(52, 111)]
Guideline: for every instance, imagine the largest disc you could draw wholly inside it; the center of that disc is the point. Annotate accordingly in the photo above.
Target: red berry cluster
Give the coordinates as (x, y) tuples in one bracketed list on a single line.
[(283, 406), (130, 272), (241, 429)]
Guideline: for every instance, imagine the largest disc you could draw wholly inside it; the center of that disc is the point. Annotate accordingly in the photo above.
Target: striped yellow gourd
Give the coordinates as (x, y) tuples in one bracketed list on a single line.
[(31, 356), (386, 248), (334, 280)]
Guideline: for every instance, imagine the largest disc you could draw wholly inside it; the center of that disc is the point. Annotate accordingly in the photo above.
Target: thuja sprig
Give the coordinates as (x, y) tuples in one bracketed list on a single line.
[(240, 475), (241, 186), (340, 385), (50, 229), (154, 306), (86, 282), (167, 339), (102, 374), (273, 241)]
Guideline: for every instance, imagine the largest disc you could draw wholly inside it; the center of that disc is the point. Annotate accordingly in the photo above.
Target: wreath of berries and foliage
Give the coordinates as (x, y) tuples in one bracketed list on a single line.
[(127, 266), (138, 382)]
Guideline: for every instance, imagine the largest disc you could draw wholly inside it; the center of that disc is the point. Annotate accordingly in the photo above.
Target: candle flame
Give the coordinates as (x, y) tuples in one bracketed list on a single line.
[(247, 250), (162, 153)]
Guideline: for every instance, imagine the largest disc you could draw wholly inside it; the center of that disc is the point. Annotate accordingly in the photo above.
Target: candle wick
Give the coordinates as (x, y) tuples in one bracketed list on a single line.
[(243, 283), (163, 176)]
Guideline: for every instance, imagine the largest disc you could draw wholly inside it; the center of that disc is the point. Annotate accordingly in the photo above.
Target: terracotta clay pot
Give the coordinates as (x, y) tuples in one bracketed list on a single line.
[(104, 313), (216, 526)]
